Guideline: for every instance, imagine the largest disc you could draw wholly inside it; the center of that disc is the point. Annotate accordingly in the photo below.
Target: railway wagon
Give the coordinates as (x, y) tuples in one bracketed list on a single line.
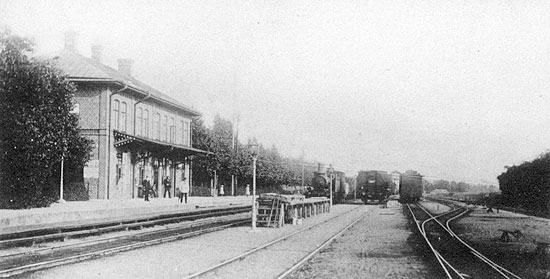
[(320, 186), (411, 187), (373, 186)]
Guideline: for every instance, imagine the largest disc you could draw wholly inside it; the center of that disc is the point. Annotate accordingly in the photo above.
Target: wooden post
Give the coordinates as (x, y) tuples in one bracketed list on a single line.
[(282, 215)]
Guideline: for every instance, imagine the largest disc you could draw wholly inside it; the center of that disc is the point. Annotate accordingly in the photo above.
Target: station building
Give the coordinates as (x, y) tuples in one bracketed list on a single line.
[(138, 132)]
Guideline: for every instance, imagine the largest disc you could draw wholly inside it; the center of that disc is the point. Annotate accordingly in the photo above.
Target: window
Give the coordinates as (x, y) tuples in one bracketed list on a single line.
[(186, 136), (172, 130), (139, 121), (179, 135), (116, 111), (146, 123), (122, 118), (165, 129), (157, 126)]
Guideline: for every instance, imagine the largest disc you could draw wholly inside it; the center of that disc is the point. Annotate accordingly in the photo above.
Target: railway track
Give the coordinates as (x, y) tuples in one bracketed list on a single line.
[(33, 237), (47, 257), (290, 262), (456, 258)]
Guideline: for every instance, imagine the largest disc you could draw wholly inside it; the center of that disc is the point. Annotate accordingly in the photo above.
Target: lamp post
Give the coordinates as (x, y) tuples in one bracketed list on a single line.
[(253, 146), (64, 144), (330, 174), (61, 200), (74, 111)]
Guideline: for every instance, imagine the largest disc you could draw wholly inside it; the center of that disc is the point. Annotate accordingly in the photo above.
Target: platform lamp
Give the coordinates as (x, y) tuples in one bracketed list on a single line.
[(254, 150), (330, 171), (61, 200)]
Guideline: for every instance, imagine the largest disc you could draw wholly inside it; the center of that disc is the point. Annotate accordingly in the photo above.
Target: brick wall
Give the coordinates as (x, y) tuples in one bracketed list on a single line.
[(101, 172)]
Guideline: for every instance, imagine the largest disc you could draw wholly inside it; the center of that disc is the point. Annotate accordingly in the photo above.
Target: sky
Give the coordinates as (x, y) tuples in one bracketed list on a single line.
[(456, 90)]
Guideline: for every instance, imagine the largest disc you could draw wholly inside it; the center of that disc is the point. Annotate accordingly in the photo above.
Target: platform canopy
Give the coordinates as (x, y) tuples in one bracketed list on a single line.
[(143, 147)]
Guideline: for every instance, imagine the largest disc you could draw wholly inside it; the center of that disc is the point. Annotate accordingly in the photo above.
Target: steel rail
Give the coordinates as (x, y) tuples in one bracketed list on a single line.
[(477, 253), (439, 258), (501, 270), (434, 218), (252, 251), (451, 233), (82, 257), (314, 252), (114, 238), (123, 225)]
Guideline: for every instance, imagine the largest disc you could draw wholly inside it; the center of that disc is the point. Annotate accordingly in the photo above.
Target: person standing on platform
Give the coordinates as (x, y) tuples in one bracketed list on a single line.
[(247, 190), (167, 187), (146, 188), (184, 191), (221, 190)]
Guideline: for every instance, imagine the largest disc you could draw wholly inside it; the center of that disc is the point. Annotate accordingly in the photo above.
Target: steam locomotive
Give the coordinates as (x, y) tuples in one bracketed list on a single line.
[(320, 186), (373, 186)]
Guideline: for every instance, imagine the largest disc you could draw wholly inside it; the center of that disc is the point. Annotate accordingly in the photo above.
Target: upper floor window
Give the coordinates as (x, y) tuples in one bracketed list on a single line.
[(139, 121), (116, 114), (122, 125), (165, 129), (179, 135), (172, 130), (186, 134), (156, 126), (145, 125)]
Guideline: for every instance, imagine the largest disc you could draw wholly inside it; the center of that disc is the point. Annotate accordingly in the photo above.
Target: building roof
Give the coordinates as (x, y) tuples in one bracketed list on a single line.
[(79, 68), (174, 151)]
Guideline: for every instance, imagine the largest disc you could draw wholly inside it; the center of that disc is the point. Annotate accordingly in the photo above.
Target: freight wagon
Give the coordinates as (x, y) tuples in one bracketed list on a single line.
[(410, 189)]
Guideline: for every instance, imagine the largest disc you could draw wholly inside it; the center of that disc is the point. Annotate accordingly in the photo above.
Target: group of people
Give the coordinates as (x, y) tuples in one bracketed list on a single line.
[(149, 190)]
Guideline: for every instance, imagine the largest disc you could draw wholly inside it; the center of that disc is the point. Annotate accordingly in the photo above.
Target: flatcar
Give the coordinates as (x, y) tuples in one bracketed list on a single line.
[(373, 186), (411, 187), (320, 186)]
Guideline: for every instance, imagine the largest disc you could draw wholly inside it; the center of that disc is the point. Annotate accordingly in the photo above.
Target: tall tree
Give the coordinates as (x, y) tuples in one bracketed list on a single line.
[(37, 128)]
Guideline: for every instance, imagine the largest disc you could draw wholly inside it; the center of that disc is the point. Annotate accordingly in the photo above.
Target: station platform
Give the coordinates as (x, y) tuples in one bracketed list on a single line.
[(83, 211)]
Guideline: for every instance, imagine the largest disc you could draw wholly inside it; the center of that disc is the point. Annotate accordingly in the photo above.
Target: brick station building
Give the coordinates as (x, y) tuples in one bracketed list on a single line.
[(138, 132)]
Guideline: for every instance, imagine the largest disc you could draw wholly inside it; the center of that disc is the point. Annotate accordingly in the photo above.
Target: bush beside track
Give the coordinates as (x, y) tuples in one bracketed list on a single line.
[(527, 186)]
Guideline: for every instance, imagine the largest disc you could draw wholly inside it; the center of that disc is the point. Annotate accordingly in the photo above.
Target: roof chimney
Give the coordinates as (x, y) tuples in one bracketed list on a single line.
[(71, 38), (125, 66), (97, 51)]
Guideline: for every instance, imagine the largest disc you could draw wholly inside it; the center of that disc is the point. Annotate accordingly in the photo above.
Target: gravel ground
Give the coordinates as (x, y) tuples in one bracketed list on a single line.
[(182, 258), (276, 259), (380, 246), (524, 256)]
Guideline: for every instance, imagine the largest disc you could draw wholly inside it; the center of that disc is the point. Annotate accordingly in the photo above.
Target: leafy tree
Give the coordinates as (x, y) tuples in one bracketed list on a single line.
[(462, 187), (37, 127), (428, 186), (527, 185), (442, 184), (273, 169)]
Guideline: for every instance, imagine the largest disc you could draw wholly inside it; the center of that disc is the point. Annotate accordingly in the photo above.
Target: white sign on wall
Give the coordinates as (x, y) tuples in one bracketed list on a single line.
[(91, 170)]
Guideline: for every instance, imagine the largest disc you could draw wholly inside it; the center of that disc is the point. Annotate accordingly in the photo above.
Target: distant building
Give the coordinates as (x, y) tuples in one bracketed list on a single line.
[(395, 178), (138, 131)]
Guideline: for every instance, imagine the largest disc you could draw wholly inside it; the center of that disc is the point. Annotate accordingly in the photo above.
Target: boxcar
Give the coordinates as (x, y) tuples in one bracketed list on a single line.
[(410, 189)]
